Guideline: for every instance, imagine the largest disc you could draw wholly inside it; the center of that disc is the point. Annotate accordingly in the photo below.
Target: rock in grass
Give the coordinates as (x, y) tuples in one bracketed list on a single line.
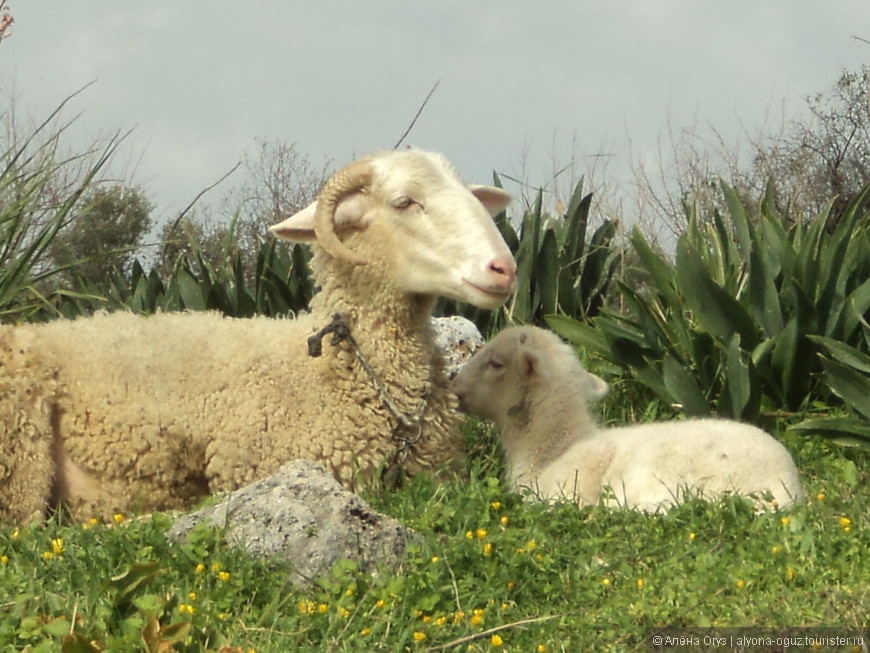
[(302, 515), (458, 339)]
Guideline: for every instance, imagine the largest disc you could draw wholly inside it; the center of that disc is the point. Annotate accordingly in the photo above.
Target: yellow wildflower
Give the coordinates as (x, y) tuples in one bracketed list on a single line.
[(191, 596), (785, 521), (790, 573), (820, 496), (186, 608), (540, 648), (223, 576), (322, 608), (216, 567), (495, 641), (845, 524), (57, 546), (343, 612), (692, 536), (495, 505), (504, 520), (118, 518), (458, 616), (440, 621), (640, 583), (365, 632), (740, 584), (469, 535), (605, 581), (418, 636), (199, 568), (380, 603), (774, 550), (531, 545), (487, 549), (47, 555), (434, 559), (4, 560), (480, 533)]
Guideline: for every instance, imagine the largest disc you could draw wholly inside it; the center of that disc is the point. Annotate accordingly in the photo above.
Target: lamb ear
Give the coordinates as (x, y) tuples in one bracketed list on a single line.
[(495, 200), (596, 387), (299, 227), (531, 363)]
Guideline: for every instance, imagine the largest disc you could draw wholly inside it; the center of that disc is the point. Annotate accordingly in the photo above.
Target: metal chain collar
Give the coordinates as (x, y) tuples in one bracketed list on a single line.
[(340, 331)]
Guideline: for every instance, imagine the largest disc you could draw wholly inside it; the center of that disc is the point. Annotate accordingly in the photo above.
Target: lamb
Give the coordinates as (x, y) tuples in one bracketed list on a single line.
[(533, 387), (118, 412)]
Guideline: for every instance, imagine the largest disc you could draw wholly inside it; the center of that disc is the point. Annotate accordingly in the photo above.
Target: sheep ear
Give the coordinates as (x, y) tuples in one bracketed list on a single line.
[(596, 387), (299, 227), (495, 200)]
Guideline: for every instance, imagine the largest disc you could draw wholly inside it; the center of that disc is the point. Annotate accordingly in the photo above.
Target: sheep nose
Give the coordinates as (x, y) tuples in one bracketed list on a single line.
[(504, 272)]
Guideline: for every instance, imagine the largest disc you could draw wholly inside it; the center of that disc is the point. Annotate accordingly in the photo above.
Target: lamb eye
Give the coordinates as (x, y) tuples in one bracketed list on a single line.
[(494, 364)]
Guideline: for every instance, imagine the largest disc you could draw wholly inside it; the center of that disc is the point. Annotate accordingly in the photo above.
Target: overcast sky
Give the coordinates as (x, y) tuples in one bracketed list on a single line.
[(199, 81)]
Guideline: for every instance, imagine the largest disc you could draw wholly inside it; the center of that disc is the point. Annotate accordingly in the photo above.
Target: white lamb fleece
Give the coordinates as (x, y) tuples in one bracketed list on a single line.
[(533, 387), (119, 412)]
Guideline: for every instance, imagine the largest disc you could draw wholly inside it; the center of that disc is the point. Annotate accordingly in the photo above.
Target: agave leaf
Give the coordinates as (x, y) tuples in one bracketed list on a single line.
[(844, 353), (764, 300), (684, 387), (547, 273), (847, 430), (848, 384), (661, 272), (192, 296), (714, 308), (577, 220), (579, 334), (742, 228)]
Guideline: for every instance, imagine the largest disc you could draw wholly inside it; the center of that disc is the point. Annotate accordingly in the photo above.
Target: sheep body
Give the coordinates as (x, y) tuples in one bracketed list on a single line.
[(534, 388), (120, 412)]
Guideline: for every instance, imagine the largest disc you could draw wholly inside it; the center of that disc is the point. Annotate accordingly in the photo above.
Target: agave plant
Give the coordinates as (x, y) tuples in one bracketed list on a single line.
[(281, 285), (558, 270), (29, 221), (737, 322)]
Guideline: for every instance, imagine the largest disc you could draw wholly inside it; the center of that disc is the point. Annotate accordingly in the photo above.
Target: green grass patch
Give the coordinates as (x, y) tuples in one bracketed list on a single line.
[(490, 572)]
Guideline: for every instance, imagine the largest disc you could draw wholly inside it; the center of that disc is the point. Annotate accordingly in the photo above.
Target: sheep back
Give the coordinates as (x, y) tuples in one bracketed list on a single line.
[(121, 412)]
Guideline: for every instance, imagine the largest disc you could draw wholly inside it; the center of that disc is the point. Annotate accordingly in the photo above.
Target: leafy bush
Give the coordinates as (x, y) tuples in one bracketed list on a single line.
[(737, 323)]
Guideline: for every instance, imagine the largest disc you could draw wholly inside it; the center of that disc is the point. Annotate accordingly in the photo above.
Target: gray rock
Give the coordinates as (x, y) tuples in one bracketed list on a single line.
[(458, 339), (302, 515)]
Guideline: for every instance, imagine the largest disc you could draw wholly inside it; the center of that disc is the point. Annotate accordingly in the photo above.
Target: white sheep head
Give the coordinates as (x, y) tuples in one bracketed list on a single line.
[(445, 241)]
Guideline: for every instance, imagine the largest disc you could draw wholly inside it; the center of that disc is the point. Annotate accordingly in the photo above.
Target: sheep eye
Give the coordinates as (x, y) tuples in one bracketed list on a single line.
[(403, 202), (494, 364)]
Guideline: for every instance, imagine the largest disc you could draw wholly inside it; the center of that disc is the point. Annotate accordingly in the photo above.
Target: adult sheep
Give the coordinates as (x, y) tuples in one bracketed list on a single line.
[(119, 412), (534, 388)]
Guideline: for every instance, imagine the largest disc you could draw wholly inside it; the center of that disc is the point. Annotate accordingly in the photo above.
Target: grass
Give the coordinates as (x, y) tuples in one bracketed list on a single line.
[(490, 572)]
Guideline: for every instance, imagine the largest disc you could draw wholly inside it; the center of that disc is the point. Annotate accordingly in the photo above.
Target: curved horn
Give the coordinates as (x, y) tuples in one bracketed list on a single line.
[(349, 179)]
